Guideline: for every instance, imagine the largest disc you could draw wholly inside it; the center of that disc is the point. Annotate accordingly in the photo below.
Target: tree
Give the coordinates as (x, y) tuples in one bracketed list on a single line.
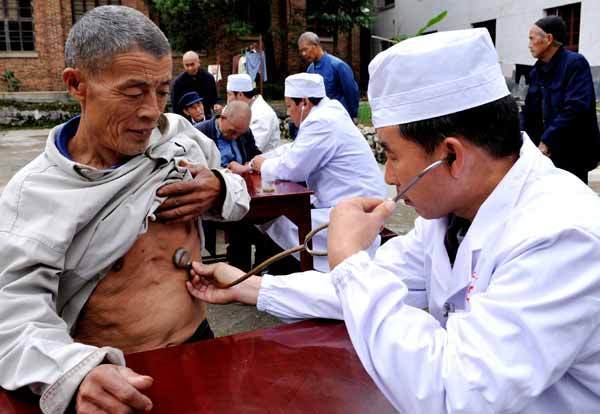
[(200, 24), (432, 22), (336, 16)]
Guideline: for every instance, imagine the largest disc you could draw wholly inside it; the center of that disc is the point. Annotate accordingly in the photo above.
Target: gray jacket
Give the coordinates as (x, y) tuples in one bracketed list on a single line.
[(62, 226)]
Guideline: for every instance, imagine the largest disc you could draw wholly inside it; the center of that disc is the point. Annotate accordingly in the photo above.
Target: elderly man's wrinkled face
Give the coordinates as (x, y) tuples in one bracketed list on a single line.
[(122, 104), (233, 128), (191, 64), (196, 111), (308, 51), (539, 42)]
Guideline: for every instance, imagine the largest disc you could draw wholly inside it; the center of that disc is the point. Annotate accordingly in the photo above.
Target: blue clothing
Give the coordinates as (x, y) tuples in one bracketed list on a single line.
[(243, 147), (339, 81), (64, 134), (560, 111), (254, 61)]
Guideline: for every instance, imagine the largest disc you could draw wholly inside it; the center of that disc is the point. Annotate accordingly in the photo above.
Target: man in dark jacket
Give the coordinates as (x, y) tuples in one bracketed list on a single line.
[(232, 134), (196, 79), (560, 108)]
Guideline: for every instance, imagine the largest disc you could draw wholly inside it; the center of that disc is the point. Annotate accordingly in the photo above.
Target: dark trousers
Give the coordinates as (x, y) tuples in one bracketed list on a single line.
[(202, 333)]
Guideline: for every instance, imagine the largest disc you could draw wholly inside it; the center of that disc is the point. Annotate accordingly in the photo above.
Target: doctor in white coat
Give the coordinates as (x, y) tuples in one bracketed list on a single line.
[(513, 297), (264, 123), (329, 154)]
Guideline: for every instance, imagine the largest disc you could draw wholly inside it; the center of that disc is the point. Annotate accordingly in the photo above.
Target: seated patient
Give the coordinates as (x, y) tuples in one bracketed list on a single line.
[(88, 229)]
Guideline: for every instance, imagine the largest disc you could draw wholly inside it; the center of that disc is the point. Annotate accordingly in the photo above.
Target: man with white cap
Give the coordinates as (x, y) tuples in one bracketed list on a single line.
[(329, 154), (264, 123), (513, 297)]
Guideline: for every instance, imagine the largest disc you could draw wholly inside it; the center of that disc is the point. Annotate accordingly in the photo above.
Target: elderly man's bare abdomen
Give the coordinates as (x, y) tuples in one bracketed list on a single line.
[(143, 303)]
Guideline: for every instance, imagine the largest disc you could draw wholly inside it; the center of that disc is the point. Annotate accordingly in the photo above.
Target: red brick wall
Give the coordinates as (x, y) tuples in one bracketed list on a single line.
[(42, 70)]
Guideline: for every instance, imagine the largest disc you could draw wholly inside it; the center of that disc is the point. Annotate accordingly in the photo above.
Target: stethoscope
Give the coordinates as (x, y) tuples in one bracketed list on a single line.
[(182, 258)]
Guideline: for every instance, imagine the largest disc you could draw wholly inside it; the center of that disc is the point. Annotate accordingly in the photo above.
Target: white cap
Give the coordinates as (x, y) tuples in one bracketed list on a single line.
[(433, 75), (304, 85), (239, 83)]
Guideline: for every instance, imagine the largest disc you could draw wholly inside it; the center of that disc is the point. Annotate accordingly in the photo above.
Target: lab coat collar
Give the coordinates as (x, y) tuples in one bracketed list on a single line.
[(487, 224), (494, 210)]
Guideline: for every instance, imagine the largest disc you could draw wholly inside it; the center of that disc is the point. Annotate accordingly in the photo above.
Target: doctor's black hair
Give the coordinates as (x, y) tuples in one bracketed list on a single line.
[(314, 101), (249, 94), (493, 126)]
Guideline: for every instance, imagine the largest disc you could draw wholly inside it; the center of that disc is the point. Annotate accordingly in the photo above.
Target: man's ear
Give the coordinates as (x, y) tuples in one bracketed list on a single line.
[(454, 155), (74, 80)]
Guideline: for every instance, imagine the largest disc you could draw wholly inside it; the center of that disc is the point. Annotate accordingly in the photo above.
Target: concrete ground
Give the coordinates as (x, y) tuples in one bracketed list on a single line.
[(17, 147)]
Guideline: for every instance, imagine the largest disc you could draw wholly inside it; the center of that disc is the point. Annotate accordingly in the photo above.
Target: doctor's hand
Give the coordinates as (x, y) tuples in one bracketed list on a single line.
[(188, 200), (257, 162), (204, 279), (237, 168), (113, 389), (353, 225)]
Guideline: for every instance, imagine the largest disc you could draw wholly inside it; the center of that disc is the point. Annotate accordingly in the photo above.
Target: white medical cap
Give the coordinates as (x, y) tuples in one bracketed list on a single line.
[(304, 85), (239, 83), (433, 75)]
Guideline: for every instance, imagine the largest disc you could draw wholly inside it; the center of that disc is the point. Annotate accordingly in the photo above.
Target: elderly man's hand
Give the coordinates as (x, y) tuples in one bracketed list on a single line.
[(237, 168), (113, 389), (188, 200), (353, 225)]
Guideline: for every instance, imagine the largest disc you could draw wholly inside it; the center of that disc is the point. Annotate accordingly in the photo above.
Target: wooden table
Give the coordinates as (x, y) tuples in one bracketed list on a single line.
[(307, 367), (289, 199)]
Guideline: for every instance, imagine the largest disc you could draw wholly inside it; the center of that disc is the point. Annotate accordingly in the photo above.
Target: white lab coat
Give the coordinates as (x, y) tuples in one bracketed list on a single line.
[(333, 158), (524, 333), (264, 125)]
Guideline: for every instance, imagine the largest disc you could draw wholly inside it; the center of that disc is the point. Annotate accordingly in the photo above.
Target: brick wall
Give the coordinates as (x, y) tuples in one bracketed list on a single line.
[(42, 70)]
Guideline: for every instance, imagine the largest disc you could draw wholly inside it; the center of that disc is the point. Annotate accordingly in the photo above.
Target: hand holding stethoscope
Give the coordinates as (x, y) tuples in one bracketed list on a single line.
[(182, 257)]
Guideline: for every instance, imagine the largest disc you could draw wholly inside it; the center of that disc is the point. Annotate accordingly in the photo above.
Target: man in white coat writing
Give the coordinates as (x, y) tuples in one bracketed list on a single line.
[(505, 256), (329, 154)]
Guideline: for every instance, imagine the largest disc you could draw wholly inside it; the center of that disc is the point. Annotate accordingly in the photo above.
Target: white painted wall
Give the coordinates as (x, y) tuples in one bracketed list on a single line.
[(513, 20)]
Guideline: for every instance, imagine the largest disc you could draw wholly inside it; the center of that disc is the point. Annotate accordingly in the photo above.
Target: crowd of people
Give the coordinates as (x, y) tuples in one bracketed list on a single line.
[(490, 304)]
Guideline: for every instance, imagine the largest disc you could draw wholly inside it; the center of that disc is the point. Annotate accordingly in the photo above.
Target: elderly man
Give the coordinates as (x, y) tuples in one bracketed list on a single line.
[(338, 76), (560, 108), (84, 258), (194, 78), (504, 257), (191, 105), (264, 123), (330, 154), (230, 132), (236, 144)]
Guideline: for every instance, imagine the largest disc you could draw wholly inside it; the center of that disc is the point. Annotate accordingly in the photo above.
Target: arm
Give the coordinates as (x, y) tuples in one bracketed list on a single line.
[(349, 88), (265, 129), (518, 338), (579, 98), (214, 193), (36, 349)]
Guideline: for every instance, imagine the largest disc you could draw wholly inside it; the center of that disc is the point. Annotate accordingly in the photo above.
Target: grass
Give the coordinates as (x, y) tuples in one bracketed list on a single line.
[(364, 113)]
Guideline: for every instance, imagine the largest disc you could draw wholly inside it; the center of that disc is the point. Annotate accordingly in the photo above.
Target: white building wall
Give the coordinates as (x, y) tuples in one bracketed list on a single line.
[(513, 20)]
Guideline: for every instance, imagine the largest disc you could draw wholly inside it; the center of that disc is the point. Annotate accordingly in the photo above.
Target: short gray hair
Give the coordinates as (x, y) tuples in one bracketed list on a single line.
[(106, 31), (237, 110), (309, 37)]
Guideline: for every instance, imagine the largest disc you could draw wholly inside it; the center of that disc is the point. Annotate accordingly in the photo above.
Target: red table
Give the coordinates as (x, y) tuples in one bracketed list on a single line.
[(289, 199), (307, 367)]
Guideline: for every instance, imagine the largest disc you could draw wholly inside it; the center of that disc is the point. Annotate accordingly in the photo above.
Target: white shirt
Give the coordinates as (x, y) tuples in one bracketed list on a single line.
[(525, 287), (333, 158), (264, 125)]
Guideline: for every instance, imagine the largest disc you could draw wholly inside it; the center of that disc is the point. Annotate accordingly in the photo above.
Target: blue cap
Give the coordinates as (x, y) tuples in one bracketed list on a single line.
[(189, 99)]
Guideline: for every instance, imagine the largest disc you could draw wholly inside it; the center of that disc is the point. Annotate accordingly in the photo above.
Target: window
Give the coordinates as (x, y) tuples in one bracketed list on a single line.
[(16, 26), (490, 25), (80, 7), (571, 15)]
